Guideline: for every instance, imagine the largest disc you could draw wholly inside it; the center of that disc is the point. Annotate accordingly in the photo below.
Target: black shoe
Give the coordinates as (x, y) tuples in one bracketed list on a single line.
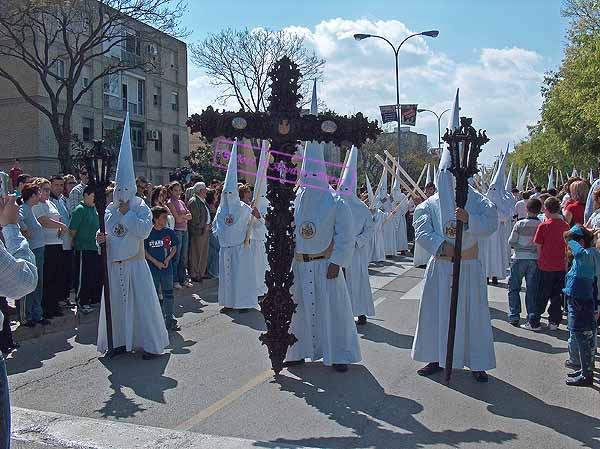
[(580, 381), (44, 322), (494, 281), (340, 367), (29, 324), (149, 356), (574, 374), (429, 369), (572, 365), (119, 350), (293, 363), (480, 376), (515, 323), (226, 310), (362, 320), (422, 266)]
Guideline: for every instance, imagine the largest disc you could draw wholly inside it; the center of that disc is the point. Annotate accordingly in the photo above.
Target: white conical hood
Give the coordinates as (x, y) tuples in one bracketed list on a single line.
[(347, 185), (445, 182), (370, 191), (498, 181), (574, 173), (522, 178), (396, 190), (428, 178), (591, 176), (230, 197), (313, 102), (125, 187), (508, 185), (551, 179), (435, 176), (383, 185), (314, 173), (259, 197)]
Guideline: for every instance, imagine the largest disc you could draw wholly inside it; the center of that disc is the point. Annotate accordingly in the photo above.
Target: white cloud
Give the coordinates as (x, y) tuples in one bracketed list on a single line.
[(500, 90)]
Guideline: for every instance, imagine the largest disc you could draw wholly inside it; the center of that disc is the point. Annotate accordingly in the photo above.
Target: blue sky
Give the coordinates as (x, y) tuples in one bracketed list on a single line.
[(496, 51)]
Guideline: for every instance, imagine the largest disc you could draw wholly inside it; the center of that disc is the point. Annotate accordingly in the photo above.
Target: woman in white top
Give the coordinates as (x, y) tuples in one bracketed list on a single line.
[(49, 217)]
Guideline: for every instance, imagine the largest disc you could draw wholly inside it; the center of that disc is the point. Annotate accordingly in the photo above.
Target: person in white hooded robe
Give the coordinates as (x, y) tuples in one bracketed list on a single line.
[(377, 252), (421, 256), (363, 228), (495, 251), (137, 320), (258, 237), (323, 322), (399, 219), (435, 224), (389, 226), (237, 275)]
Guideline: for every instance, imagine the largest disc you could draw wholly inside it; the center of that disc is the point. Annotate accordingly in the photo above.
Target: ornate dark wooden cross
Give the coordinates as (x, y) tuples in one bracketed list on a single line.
[(285, 127)]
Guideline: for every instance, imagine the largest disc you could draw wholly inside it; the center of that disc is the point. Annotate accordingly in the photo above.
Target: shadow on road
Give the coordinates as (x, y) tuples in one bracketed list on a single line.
[(379, 334), (376, 418), (33, 353), (511, 402), (145, 377)]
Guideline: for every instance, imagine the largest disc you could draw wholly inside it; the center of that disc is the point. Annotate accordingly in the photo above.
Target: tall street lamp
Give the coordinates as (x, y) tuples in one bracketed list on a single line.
[(439, 118), (362, 36)]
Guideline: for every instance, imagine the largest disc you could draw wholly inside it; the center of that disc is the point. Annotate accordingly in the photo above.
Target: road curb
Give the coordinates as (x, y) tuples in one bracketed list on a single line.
[(64, 431)]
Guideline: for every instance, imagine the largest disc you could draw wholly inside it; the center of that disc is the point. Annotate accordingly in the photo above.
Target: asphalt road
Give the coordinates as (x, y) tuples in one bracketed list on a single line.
[(216, 380)]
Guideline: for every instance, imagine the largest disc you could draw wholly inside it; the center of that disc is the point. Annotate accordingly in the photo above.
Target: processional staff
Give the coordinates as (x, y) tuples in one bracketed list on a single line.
[(464, 144)]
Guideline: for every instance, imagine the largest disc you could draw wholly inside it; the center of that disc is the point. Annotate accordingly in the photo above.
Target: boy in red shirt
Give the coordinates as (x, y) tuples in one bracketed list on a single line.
[(552, 263)]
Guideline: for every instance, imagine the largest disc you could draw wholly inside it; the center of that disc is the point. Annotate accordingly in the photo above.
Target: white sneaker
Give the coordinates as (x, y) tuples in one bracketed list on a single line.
[(529, 327), (552, 326), (188, 284), (177, 286)]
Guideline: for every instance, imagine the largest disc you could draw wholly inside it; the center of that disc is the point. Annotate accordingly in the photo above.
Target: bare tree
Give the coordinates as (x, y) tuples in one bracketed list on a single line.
[(57, 40), (584, 14), (238, 62)]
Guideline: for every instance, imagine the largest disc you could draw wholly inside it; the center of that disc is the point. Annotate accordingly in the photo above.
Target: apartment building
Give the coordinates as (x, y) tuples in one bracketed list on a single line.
[(157, 104)]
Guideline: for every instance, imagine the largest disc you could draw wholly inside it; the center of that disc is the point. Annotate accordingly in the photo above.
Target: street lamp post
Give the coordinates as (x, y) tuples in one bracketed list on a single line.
[(439, 118), (361, 36)]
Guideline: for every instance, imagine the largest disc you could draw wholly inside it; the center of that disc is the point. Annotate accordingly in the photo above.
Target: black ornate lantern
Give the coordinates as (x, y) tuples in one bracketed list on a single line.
[(99, 160)]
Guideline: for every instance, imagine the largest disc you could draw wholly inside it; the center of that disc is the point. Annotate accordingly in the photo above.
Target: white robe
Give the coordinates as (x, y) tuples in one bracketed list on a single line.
[(474, 345), (237, 274), (323, 322), (137, 320), (389, 231), (421, 256), (261, 263), (494, 251), (357, 273), (378, 239)]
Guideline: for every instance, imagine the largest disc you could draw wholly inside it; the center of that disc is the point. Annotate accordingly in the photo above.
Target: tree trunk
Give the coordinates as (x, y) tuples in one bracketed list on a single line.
[(64, 144)]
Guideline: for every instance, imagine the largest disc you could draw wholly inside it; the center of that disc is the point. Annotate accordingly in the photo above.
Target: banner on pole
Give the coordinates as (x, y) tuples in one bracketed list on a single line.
[(408, 113), (388, 113)]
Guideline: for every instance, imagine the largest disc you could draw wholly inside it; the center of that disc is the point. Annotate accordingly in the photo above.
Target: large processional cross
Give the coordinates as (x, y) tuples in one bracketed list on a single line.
[(284, 126)]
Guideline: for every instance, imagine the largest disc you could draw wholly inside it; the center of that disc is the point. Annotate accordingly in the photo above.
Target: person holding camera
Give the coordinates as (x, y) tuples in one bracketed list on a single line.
[(18, 278)]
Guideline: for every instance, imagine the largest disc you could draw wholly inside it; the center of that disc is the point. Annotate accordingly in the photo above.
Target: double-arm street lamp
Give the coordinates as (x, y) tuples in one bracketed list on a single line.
[(362, 36), (439, 118)]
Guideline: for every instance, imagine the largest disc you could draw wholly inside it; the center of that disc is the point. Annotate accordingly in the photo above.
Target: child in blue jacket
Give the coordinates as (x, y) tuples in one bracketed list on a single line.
[(582, 303)]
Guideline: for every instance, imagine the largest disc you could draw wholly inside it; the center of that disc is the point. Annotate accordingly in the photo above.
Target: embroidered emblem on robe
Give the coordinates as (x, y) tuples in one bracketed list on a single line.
[(119, 230), (450, 229), (229, 220), (308, 230)]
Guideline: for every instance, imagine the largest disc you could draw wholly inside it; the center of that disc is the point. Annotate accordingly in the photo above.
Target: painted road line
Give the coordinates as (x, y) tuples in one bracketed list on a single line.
[(221, 404)]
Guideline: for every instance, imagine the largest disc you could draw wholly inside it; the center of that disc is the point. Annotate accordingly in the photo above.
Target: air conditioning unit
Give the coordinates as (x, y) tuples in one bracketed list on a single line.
[(153, 135)]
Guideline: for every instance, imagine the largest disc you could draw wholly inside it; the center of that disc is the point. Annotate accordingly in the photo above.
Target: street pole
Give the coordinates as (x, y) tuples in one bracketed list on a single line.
[(361, 36), (439, 120)]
